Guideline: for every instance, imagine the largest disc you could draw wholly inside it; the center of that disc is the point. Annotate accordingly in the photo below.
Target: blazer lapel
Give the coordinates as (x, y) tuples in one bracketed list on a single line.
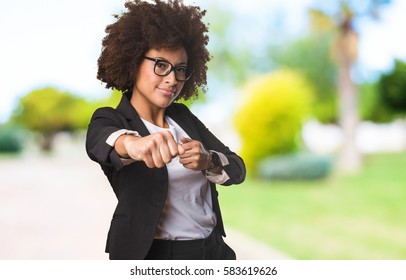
[(131, 115), (183, 120)]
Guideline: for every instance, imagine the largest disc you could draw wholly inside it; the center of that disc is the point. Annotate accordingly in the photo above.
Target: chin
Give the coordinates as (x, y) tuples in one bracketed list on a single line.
[(164, 104)]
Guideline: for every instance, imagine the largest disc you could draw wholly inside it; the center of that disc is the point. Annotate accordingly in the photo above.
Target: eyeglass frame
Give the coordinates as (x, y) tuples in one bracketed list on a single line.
[(157, 60)]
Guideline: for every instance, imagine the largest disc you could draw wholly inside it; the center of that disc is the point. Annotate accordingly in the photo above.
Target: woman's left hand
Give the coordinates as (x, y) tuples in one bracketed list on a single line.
[(195, 157)]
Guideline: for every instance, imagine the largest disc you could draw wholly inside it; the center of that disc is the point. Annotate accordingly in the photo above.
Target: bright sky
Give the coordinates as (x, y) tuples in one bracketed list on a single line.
[(57, 42)]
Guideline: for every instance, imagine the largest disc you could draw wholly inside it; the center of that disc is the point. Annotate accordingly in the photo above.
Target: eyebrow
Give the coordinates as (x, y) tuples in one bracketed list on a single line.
[(164, 59)]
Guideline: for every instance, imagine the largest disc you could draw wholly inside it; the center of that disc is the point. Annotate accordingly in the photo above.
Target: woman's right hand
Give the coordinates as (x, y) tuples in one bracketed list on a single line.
[(155, 150)]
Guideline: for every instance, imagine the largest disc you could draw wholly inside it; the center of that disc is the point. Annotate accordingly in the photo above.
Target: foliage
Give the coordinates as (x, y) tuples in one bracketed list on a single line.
[(345, 217), (270, 119), (371, 106), (384, 100), (338, 9), (230, 60), (392, 87), (47, 111), (295, 167), (11, 140), (200, 98), (312, 57), (343, 16), (112, 100)]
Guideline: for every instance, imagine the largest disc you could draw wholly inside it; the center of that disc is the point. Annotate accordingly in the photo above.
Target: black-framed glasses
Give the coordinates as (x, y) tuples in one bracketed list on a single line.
[(163, 68)]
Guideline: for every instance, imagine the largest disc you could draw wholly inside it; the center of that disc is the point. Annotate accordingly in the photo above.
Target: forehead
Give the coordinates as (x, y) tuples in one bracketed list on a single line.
[(173, 55)]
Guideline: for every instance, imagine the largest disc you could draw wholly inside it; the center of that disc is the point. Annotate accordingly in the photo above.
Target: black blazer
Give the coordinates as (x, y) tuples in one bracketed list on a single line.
[(141, 191)]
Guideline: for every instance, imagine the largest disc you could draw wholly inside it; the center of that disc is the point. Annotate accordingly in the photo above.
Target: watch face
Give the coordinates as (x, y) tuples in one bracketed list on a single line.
[(216, 160)]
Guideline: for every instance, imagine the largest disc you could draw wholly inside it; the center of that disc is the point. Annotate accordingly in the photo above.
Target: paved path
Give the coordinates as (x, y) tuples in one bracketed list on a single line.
[(59, 207)]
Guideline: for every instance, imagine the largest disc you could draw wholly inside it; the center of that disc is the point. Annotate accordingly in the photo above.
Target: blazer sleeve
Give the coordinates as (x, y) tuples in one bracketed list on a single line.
[(103, 123), (236, 167)]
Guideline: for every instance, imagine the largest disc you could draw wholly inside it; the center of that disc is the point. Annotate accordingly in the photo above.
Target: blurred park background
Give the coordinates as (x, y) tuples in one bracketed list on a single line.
[(311, 93)]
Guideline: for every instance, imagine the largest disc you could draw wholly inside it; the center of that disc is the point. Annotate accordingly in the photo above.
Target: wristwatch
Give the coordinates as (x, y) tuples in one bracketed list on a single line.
[(215, 161)]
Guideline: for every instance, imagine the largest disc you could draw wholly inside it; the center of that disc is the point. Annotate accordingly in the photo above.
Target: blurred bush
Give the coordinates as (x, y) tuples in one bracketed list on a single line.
[(371, 106), (392, 88), (271, 117), (11, 139), (295, 167), (384, 101), (311, 56), (48, 111)]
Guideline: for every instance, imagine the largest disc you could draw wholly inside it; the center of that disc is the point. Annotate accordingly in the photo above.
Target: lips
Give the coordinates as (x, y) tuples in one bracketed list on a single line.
[(167, 91)]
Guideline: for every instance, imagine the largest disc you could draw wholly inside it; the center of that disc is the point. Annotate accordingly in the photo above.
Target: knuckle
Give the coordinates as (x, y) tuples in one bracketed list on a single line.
[(149, 164), (142, 150), (160, 165), (159, 137), (149, 146), (145, 150)]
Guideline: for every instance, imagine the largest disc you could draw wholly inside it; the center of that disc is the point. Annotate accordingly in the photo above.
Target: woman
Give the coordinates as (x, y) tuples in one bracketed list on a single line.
[(160, 160)]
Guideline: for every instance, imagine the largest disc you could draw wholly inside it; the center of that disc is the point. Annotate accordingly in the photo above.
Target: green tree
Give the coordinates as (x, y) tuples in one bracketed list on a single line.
[(311, 56), (392, 88), (231, 62), (86, 108), (270, 120), (48, 111), (11, 139), (371, 106), (340, 17)]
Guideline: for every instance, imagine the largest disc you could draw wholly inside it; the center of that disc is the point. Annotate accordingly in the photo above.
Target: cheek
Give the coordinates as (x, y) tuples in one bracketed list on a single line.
[(146, 78)]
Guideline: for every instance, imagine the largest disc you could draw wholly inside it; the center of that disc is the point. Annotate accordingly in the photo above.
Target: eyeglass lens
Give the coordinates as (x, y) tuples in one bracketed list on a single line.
[(163, 68)]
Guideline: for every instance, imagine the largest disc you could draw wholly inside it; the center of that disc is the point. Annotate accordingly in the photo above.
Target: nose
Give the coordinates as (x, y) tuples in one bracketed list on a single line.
[(171, 78)]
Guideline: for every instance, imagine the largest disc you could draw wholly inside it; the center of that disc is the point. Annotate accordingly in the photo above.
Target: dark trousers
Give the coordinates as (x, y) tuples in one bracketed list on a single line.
[(211, 248)]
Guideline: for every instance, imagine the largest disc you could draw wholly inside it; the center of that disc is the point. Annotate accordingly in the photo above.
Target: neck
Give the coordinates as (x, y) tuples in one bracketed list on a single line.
[(152, 114)]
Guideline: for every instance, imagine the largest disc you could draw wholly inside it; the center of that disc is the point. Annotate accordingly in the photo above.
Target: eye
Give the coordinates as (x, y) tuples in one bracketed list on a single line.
[(162, 64), (181, 70)]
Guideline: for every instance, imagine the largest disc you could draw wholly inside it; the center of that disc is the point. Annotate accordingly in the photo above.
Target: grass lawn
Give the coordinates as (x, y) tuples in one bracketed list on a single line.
[(361, 216)]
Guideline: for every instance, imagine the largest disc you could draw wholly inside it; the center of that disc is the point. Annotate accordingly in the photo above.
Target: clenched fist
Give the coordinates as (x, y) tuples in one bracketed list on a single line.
[(155, 150), (195, 156)]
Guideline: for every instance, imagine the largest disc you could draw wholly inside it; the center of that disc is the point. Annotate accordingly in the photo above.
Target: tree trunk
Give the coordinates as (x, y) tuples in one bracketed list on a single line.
[(47, 141), (349, 157)]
